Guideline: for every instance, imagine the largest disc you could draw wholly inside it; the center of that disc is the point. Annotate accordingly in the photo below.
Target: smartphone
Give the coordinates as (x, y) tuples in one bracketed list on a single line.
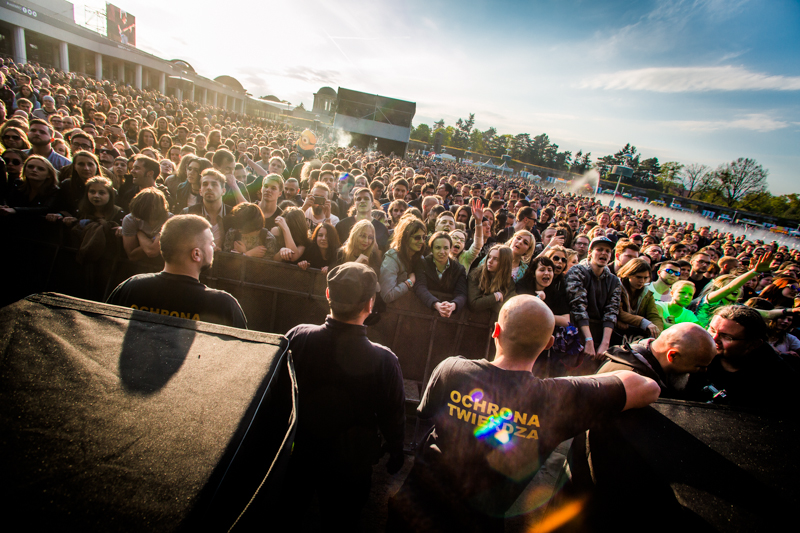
[(319, 200)]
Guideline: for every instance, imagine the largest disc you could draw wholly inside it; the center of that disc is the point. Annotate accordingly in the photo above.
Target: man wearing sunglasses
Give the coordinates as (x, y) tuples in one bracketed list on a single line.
[(668, 273)]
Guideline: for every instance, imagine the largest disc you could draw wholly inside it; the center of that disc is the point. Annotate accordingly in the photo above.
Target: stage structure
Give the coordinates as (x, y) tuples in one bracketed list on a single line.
[(374, 121)]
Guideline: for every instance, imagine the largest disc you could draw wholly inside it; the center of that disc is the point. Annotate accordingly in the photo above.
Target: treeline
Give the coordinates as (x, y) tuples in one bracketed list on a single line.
[(739, 184), (536, 150)]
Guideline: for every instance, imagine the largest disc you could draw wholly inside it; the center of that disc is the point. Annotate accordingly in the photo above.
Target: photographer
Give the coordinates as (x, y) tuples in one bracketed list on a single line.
[(317, 206)]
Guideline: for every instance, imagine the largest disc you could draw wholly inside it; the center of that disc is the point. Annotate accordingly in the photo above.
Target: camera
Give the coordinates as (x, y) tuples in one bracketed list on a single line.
[(319, 200)]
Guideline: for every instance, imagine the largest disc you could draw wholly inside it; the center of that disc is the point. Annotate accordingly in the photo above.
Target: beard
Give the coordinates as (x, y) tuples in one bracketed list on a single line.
[(317, 209)]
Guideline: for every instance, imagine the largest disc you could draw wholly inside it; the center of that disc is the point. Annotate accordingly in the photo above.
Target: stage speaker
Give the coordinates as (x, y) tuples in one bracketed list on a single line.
[(683, 466), (438, 138), (122, 420)]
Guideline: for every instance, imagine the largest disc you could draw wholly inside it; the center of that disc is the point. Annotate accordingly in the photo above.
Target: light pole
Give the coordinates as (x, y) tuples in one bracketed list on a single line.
[(623, 170)]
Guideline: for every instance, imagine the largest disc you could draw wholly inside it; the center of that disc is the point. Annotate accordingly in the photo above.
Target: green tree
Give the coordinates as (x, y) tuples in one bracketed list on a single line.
[(488, 137), (670, 174), (439, 124), (447, 135), (462, 131), (421, 133), (582, 162), (476, 141)]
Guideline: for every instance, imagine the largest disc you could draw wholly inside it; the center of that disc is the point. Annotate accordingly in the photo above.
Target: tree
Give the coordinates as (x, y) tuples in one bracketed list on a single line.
[(488, 135), (447, 135), (439, 124), (648, 170), (694, 179), (670, 174), (737, 179), (421, 133), (462, 131), (582, 163), (476, 140)]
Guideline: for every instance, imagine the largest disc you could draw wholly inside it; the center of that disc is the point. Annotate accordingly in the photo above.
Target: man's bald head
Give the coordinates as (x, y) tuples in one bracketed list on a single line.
[(684, 348), (524, 328)]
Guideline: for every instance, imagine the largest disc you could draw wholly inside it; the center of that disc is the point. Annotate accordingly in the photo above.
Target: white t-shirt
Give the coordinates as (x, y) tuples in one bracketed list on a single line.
[(310, 216), (666, 297)]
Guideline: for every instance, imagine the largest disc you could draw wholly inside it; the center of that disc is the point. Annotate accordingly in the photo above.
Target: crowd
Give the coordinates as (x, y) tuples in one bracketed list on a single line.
[(114, 164)]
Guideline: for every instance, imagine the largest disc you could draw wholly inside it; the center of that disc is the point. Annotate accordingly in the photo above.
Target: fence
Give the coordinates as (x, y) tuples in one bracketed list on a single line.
[(274, 296)]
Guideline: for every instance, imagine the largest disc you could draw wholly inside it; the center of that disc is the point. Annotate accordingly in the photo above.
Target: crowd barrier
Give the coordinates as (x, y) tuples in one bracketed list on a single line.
[(274, 296)]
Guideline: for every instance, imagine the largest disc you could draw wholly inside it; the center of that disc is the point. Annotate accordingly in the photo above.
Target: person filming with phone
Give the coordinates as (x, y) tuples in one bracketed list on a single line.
[(317, 206)]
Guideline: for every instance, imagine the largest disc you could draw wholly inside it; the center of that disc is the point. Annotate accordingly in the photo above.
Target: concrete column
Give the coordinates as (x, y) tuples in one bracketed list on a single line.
[(191, 93), (205, 96), (121, 71), (179, 94), (215, 99), (81, 61), (138, 79), (63, 55), (162, 83), (98, 66), (20, 47), (146, 76)]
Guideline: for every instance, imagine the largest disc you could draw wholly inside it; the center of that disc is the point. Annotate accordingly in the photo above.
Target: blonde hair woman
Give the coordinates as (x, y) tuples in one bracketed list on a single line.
[(360, 246)]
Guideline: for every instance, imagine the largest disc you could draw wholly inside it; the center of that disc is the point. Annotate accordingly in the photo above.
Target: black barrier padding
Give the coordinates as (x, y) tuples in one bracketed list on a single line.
[(682, 466), (119, 420), (274, 296)]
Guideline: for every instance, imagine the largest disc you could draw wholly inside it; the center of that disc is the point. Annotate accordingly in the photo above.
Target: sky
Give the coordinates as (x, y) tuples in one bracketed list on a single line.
[(703, 81)]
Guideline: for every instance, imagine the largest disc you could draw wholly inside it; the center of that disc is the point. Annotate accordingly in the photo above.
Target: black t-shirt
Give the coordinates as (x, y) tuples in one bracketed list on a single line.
[(179, 296), (269, 222), (700, 284), (494, 428)]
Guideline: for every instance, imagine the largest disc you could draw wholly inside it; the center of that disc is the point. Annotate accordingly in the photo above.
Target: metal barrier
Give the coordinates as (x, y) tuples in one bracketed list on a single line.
[(274, 296)]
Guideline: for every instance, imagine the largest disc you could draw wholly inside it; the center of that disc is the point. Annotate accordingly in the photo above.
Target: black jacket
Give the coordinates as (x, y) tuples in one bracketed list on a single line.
[(454, 281), (339, 367)]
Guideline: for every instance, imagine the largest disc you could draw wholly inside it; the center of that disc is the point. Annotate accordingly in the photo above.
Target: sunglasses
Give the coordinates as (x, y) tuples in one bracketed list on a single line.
[(672, 272), (559, 259), (418, 238), (12, 137), (12, 161)]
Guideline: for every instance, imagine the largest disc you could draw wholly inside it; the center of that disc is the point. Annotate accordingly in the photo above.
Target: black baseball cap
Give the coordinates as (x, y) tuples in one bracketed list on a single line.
[(351, 285)]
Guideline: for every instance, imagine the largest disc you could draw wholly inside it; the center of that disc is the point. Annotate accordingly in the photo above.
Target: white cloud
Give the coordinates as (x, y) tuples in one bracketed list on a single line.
[(692, 79), (754, 122)]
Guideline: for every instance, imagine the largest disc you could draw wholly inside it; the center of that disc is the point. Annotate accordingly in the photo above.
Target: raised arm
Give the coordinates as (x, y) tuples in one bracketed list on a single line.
[(640, 391), (762, 265)]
